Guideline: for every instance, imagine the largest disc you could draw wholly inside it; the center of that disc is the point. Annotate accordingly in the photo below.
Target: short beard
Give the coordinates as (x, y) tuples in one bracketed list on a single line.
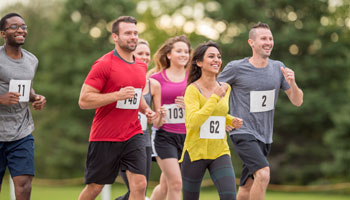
[(14, 43), (127, 48)]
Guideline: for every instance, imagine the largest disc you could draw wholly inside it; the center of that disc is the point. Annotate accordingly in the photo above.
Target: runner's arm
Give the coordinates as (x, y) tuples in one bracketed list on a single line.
[(91, 98)]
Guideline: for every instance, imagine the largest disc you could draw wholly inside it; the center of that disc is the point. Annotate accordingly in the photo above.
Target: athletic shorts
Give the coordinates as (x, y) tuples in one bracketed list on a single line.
[(18, 156), (168, 145), (105, 159), (252, 152)]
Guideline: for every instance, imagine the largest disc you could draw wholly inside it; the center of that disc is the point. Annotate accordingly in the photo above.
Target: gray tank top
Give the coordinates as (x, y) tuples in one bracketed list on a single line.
[(148, 97)]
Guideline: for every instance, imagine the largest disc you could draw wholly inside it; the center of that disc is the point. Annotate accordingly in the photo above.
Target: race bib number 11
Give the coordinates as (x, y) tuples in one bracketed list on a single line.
[(22, 87), (132, 103)]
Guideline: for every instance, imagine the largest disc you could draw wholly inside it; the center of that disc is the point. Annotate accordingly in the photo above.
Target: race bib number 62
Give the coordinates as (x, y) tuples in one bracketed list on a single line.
[(213, 128)]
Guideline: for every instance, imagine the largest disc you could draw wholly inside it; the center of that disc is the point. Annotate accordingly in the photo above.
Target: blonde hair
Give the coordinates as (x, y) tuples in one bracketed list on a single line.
[(142, 41), (160, 57)]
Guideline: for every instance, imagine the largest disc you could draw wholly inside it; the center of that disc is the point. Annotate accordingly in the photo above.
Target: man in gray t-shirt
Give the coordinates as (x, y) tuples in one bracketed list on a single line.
[(17, 69), (255, 83)]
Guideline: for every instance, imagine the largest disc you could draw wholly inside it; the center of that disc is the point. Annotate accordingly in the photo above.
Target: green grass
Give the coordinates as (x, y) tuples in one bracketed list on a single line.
[(40, 192)]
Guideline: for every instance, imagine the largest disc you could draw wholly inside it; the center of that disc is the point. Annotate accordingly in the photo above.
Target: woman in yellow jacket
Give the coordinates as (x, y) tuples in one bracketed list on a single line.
[(206, 118)]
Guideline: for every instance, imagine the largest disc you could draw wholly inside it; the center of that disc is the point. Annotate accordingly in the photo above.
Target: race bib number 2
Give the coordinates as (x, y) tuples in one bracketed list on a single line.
[(174, 114), (132, 103), (262, 101), (213, 128), (22, 87)]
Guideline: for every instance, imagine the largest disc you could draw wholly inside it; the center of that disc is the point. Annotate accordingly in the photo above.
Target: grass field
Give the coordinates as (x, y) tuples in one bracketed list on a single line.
[(208, 193)]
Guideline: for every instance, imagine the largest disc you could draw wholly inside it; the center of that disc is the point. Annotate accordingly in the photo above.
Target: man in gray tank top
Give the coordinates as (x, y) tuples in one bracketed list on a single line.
[(255, 83), (17, 69)]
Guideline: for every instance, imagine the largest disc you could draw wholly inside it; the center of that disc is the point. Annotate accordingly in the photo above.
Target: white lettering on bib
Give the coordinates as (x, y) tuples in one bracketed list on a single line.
[(213, 128), (22, 87), (262, 101), (174, 114), (143, 121), (132, 103)]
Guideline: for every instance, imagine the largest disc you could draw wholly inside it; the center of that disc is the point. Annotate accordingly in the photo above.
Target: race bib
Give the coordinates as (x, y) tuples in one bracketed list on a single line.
[(174, 114), (143, 121), (22, 87), (213, 128), (262, 101), (132, 103)]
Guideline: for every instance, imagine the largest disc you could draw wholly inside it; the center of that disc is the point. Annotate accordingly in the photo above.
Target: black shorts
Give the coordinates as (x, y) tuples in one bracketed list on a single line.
[(168, 145), (252, 152), (105, 159)]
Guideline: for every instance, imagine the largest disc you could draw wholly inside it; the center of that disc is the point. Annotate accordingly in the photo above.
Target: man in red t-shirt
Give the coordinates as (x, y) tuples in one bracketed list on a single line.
[(114, 88)]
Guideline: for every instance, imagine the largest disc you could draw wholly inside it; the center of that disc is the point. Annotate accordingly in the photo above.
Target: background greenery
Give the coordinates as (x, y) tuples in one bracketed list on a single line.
[(311, 143)]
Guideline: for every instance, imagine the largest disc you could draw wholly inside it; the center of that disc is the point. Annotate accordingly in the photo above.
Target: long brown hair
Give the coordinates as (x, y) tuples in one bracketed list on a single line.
[(160, 58), (195, 72)]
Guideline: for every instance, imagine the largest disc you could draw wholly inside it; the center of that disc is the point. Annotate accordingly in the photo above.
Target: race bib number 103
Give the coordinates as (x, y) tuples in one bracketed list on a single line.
[(174, 114)]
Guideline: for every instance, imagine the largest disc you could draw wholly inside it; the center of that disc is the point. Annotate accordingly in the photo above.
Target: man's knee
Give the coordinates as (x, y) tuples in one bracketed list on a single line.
[(94, 189), (138, 183), (263, 175), (23, 184)]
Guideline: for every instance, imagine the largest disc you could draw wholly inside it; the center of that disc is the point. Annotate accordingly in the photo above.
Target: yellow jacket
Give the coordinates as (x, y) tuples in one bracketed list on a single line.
[(197, 110)]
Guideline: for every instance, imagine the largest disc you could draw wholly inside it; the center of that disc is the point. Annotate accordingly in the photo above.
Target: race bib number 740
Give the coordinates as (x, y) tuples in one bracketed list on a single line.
[(143, 121)]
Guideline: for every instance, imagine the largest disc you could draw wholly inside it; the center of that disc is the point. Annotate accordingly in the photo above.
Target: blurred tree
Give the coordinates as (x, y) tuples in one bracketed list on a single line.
[(311, 37), (79, 36)]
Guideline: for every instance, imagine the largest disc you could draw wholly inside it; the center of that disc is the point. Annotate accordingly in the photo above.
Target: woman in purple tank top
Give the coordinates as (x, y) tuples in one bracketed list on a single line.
[(171, 62)]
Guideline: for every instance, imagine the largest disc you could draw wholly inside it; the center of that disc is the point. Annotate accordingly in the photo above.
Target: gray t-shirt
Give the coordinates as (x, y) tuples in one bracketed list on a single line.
[(16, 121), (254, 95)]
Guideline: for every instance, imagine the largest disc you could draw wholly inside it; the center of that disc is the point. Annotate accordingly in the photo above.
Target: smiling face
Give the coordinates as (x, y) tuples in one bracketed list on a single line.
[(179, 54), (143, 53), (261, 42), (127, 37), (12, 36), (211, 61)]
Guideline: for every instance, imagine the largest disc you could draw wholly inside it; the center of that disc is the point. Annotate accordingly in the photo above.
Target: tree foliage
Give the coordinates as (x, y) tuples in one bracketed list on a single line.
[(311, 143)]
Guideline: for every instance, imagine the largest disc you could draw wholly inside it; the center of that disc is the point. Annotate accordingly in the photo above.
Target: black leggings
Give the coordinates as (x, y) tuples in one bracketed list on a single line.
[(149, 163), (221, 172)]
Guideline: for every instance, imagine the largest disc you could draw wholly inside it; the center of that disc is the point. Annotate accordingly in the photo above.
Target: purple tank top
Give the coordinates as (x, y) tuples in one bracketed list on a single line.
[(170, 90)]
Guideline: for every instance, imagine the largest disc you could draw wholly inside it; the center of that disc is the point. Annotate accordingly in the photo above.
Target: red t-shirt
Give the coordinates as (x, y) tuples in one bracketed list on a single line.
[(109, 74)]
